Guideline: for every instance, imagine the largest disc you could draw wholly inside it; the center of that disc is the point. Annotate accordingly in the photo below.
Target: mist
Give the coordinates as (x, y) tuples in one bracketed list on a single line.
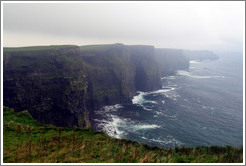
[(216, 26)]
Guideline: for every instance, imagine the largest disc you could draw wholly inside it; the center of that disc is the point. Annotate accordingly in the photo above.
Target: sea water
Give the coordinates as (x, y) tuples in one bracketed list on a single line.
[(201, 106)]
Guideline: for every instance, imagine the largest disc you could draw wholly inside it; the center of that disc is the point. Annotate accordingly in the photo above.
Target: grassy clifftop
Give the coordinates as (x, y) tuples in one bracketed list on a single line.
[(36, 48), (25, 140)]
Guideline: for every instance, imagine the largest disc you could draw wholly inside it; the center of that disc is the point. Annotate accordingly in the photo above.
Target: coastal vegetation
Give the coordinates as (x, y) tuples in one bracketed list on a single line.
[(27, 141)]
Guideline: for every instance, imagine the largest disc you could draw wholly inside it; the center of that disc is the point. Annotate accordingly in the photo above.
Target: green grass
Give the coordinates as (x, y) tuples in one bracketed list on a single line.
[(101, 47), (35, 48), (49, 65), (92, 47), (25, 141)]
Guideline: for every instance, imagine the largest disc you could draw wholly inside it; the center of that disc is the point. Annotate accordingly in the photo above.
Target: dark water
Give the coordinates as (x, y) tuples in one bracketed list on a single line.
[(202, 106)]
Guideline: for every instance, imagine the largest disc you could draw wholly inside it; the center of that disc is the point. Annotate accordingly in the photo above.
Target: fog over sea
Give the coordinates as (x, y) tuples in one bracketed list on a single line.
[(201, 106)]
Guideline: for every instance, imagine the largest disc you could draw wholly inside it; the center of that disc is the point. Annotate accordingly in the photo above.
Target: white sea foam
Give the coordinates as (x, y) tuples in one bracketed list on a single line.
[(147, 109), (164, 90), (167, 91), (172, 95), (162, 114), (116, 122), (159, 113), (142, 127), (192, 62), (169, 77), (111, 126), (183, 73), (110, 123), (140, 100), (116, 127), (207, 77), (188, 74), (171, 116), (111, 108), (207, 107)]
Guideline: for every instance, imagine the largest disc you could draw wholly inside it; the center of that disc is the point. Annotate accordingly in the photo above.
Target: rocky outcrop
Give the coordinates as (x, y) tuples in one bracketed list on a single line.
[(200, 55)]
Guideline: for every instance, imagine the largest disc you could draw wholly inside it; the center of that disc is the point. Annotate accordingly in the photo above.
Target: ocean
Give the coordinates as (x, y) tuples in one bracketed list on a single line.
[(201, 106)]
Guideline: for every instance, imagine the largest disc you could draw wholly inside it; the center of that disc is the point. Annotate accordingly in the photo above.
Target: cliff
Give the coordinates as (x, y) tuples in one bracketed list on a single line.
[(110, 74), (60, 85), (47, 81), (200, 55), (116, 72), (171, 60), (63, 85), (147, 72)]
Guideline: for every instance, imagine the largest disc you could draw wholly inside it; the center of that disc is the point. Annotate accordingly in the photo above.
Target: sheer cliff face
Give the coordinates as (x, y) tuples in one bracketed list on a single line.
[(61, 85), (50, 84), (147, 70), (171, 60), (110, 74), (117, 71)]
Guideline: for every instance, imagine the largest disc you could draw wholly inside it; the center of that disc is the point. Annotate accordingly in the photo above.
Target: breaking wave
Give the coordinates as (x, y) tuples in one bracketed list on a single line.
[(139, 99), (110, 108), (111, 126), (167, 92)]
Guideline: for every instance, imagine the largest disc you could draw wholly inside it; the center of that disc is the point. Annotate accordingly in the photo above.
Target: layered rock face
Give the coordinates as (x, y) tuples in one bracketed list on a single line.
[(147, 70), (49, 83), (62, 85), (110, 74)]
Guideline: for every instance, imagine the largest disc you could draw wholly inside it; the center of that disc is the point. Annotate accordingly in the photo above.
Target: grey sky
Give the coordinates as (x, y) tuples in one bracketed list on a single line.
[(186, 25)]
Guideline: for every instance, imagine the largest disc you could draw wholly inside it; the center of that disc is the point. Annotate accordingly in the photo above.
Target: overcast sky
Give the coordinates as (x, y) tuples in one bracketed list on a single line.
[(185, 25)]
